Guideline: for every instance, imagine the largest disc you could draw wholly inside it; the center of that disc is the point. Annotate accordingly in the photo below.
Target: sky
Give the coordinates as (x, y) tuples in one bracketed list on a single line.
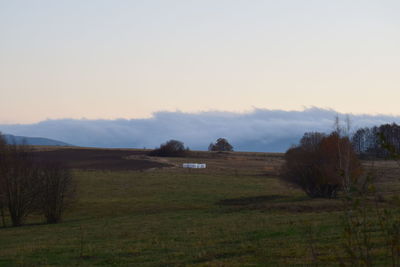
[(99, 59)]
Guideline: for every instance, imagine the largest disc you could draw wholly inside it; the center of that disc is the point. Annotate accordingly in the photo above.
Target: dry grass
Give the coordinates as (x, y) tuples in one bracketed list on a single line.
[(234, 213)]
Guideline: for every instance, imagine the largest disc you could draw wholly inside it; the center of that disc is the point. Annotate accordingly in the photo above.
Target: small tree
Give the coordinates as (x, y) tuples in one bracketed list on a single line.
[(316, 167), (220, 145), (172, 148)]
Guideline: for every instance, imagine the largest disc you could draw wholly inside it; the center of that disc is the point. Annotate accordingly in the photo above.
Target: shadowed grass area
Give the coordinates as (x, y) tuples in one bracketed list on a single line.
[(230, 214)]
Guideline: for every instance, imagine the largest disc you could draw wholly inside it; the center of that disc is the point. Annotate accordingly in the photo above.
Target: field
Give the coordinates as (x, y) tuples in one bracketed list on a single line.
[(133, 210)]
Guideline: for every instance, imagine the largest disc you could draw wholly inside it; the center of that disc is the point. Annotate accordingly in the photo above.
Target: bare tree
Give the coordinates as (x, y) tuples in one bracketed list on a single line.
[(28, 186), (56, 190), (345, 152), (18, 182), (2, 189), (311, 140)]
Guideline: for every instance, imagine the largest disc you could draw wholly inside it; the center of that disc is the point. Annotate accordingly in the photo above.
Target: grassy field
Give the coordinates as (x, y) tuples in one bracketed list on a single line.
[(234, 213)]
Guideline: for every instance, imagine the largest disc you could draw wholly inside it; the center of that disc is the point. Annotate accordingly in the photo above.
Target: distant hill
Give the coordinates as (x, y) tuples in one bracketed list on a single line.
[(34, 141)]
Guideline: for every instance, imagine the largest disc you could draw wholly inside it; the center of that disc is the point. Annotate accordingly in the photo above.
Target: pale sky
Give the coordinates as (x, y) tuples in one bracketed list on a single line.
[(127, 59)]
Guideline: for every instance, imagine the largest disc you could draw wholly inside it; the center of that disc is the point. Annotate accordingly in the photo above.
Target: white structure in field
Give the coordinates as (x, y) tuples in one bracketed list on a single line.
[(194, 165)]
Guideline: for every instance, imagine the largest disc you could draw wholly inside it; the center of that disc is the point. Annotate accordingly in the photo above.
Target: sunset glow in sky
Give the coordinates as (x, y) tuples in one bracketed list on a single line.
[(128, 59)]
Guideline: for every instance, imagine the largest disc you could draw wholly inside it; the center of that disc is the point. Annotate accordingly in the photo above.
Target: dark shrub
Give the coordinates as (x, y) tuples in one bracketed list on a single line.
[(322, 168), (172, 148)]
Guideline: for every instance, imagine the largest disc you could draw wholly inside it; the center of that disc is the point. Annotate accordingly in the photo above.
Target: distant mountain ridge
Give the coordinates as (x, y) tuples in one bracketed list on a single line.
[(34, 141)]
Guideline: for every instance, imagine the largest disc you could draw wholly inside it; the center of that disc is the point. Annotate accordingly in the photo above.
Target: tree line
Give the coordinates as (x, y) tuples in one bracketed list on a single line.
[(367, 142)]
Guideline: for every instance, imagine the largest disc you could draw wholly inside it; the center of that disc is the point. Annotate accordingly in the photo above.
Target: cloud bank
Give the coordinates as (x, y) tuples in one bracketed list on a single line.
[(259, 130)]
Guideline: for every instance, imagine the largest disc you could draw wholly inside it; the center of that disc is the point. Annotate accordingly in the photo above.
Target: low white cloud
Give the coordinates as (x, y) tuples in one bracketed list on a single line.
[(259, 130)]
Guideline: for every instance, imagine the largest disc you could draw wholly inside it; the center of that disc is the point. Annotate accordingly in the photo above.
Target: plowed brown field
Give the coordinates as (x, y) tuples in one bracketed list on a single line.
[(100, 159)]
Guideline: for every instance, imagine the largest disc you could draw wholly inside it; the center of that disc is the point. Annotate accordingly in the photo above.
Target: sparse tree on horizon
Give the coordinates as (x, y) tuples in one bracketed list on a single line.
[(220, 145), (171, 148)]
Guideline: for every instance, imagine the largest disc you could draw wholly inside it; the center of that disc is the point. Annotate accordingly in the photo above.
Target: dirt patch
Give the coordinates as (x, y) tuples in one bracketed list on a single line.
[(99, 159), (280, 203), (246, 201), (297, 207)]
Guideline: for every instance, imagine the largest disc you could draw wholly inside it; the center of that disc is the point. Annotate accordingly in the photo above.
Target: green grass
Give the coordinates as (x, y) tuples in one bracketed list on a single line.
[(173, 217)]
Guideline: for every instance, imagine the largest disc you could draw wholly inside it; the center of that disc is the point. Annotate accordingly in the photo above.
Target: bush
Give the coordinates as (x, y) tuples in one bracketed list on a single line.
[(172, 148), (321, 168)]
